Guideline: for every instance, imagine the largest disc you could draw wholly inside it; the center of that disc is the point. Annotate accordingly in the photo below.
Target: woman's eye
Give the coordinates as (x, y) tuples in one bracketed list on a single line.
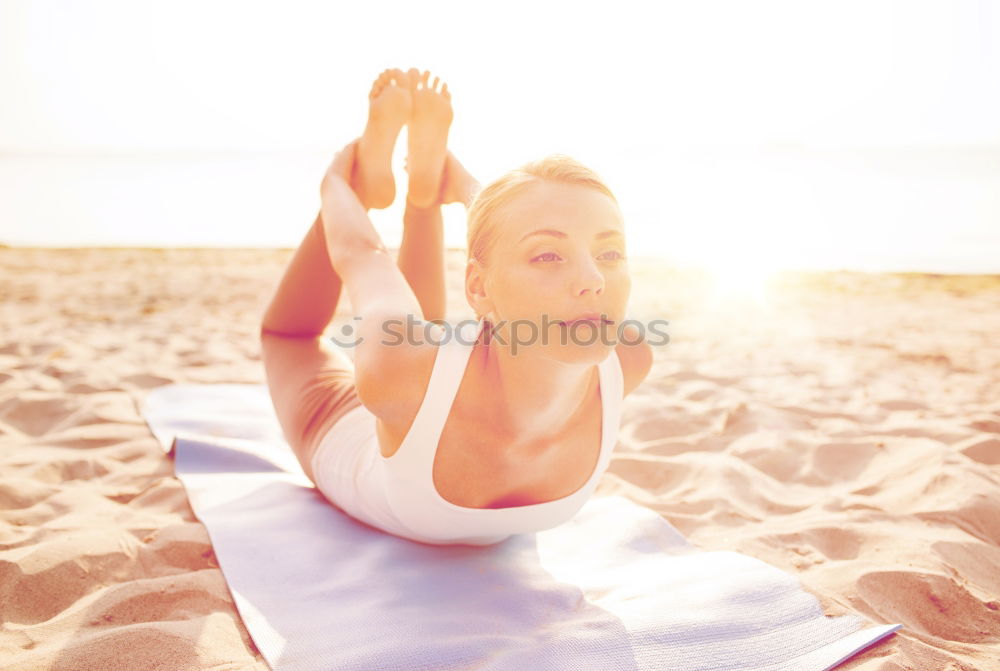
[(612, 255)]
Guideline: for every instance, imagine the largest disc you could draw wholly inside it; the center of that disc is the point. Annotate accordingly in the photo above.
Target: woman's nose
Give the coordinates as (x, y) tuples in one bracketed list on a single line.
[(589, 279)]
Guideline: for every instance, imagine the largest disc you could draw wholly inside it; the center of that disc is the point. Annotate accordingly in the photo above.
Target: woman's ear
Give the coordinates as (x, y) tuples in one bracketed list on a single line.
[(475, 288)]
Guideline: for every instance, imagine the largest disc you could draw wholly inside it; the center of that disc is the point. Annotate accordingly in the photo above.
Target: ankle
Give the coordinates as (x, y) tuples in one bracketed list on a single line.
[(426, 209)]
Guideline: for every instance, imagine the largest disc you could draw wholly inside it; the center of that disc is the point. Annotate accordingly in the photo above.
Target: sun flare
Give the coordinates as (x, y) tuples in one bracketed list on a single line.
[(740, 280)]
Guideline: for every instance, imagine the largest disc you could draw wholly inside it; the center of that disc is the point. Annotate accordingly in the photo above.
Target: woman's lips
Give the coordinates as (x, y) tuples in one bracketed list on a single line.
[(593, 320)]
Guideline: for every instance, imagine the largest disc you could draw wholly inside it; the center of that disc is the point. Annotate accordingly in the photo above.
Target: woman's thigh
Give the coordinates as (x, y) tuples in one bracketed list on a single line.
[(333, 395), (312, 385)]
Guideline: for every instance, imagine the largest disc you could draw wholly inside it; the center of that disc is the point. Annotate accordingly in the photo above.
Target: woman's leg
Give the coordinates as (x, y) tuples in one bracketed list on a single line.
[(307, 296), (311, 382), (421, 258), (427, 138), (421, 251), (388, 111)]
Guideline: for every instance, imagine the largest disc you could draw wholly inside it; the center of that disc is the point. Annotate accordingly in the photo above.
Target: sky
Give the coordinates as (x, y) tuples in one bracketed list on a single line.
[(753, 122)]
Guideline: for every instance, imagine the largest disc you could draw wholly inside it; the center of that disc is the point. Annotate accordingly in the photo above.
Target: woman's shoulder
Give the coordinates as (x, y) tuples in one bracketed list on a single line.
[(635, 356)]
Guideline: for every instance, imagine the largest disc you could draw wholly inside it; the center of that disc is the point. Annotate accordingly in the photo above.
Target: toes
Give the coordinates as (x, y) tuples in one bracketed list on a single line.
[(379, 84), (422, 81), (413, 77)]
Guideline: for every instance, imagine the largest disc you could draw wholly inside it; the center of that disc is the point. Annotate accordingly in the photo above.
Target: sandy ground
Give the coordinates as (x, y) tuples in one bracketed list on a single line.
[(846, 430)]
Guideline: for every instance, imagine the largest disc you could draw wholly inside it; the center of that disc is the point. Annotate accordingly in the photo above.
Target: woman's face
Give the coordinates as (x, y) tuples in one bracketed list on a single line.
[(560, 255)]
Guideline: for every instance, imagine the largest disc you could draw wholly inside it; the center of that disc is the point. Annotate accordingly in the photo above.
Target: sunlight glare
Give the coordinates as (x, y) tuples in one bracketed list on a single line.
[(741, 280)]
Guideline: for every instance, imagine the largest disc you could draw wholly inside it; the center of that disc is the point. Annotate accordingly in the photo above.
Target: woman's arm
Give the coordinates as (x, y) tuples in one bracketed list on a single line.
[(374, 282), (340, 249), (307, 296), (341, 238)]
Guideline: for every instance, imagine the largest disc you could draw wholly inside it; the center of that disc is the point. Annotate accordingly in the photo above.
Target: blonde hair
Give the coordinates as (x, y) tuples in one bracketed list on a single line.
[(486, 214)]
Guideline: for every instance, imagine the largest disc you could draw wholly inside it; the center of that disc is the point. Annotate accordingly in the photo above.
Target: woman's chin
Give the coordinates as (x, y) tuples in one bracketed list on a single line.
[(578, 352), (576, 343)]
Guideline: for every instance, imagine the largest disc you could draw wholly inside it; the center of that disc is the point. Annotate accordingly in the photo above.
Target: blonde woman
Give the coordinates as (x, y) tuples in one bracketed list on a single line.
[(464, 433)]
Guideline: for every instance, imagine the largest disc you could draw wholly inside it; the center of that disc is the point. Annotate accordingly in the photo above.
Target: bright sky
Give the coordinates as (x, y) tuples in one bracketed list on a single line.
[(633, 89)]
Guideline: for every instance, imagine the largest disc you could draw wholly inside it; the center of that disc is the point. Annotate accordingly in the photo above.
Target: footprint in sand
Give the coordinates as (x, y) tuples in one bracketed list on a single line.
[(427, 137), (389, 103)]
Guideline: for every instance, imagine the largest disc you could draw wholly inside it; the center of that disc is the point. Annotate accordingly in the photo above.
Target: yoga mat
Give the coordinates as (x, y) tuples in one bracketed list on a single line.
[(615, 588)]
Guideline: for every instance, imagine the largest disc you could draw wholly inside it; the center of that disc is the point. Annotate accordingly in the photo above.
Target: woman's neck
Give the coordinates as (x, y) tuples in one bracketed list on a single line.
[(536, 396)]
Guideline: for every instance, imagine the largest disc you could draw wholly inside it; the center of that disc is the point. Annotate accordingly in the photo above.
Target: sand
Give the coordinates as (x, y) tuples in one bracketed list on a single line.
[(846, 429)]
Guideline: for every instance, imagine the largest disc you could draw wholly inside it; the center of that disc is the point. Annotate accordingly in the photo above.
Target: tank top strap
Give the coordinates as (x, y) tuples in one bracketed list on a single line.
[(612, 394), (450, 361), (613, 367)]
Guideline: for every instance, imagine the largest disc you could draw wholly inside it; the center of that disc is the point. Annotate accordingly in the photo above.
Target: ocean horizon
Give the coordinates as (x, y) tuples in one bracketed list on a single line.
[(934, 210)]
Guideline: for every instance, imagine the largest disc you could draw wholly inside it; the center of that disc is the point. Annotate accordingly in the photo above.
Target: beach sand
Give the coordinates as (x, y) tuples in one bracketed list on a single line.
[(845, 430)]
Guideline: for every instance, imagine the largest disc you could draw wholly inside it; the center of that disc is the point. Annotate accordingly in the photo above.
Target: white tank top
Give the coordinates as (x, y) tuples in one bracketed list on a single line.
[(408, 478)]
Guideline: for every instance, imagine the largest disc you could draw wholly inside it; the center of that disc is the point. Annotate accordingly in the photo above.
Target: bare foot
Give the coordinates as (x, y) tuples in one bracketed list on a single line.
[(389, 104), (427, 142)]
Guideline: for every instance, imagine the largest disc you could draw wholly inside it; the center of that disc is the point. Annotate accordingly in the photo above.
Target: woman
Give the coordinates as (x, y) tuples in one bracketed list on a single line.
[(467, 436)]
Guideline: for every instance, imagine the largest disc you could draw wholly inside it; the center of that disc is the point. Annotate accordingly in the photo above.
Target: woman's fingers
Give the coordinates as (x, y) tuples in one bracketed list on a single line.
[(348, 152), (351, 146), (343, 160)]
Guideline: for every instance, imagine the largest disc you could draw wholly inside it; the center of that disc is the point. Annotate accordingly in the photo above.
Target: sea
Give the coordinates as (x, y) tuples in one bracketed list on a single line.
[(915, 209)]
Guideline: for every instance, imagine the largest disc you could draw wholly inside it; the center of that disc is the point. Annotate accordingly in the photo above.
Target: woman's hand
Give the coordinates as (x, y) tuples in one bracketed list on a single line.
[(345, 220), (345, 168), (343, 164), (457, 184)]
